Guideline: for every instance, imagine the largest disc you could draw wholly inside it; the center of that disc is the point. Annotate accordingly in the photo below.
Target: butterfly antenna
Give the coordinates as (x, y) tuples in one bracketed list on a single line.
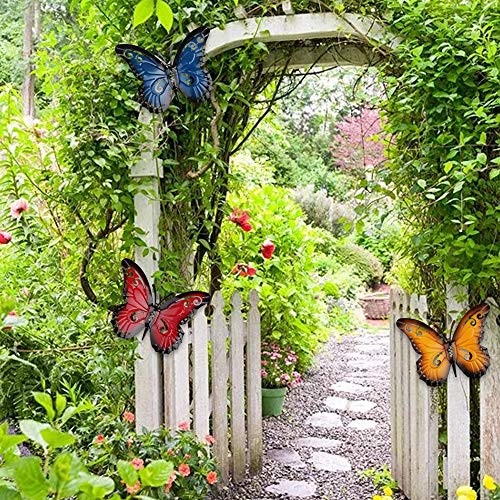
[(452, 327)]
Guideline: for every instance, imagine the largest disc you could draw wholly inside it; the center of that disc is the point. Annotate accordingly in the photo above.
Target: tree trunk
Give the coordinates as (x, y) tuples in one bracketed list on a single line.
[(31, 33)]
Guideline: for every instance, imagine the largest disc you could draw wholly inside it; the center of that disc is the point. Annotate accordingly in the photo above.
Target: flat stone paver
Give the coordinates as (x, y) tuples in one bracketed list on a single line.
[(350, 388), (315, 442), (362, 425), (368, 348), (286, 456), (296, 489), (369, 364), (328, 461), (336, 403), (325, 419), (362, 406)]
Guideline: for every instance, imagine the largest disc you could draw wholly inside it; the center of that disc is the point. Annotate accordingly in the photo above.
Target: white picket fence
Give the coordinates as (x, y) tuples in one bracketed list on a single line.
[(416, 452), (203, 382)]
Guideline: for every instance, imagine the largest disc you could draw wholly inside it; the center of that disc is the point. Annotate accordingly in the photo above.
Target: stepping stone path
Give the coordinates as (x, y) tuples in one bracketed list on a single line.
[(318, 446)]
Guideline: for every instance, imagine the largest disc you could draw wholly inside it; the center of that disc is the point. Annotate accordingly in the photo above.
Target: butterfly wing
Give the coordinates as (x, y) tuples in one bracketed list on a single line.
[(194, 80), (434, 364), (472, 358), (156, 91), (129, 319), (166, 332)]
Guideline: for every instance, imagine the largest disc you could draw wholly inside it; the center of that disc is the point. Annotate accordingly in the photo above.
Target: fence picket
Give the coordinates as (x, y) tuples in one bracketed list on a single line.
[(458, 404), (201, 402), (405, 379), (395, 360), (415, 442), (254, 411), (490, 402), (219, 384), (238, 443)]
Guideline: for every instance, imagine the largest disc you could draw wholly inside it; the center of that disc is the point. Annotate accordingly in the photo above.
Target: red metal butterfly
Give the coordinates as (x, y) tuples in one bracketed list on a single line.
[(142, 312)]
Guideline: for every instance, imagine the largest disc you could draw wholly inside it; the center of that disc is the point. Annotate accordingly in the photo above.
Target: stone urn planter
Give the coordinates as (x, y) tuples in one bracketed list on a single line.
[(272, 401), (376, 305)]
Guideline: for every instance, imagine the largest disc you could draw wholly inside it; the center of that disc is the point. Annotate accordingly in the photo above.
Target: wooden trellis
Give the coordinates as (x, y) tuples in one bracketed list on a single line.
[(415, 417)]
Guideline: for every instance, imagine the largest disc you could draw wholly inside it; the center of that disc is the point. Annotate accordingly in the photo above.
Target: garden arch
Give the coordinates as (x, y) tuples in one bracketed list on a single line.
[(361, 42)]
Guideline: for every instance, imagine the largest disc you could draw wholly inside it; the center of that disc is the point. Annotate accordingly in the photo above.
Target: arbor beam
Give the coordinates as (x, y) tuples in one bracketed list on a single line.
[(299, 27)]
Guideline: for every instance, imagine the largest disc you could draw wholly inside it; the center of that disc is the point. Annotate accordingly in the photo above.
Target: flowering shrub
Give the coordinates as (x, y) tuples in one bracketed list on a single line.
[(117, 445), (278, 367), (467, 493)]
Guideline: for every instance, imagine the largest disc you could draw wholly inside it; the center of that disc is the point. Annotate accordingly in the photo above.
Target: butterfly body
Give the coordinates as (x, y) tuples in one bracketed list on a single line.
[(143, 313), (438, 355), (162, 79)]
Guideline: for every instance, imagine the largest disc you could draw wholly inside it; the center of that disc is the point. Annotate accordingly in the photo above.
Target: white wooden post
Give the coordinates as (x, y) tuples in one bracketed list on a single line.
[(414, 380), (254, 386), (395, 336), (458, 458), (148, 368), (406, 403), (490, 400), (238, 443)]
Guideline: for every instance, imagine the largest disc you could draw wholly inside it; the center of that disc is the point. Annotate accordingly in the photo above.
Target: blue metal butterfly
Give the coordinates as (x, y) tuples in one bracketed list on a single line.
[(162, 79)]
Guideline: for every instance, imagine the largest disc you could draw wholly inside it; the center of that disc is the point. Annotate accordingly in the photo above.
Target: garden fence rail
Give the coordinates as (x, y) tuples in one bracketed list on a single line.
[(417, 451)]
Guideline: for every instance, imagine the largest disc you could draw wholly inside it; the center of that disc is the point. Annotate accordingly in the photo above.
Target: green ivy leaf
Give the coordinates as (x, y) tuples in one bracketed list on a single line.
[(165, 14), (33, 431), (143, 11), (30, 480), (127, 472), (57, 439), (156, 473), (60, 403), (7, 493), (44, 399), (64, 475), (95, 487)]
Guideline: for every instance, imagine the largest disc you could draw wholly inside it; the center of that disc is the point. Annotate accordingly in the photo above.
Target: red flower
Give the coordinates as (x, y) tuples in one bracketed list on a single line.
[(183, 426), (99, 439), (244, 270), (209, 439), (170, 481), (5, 237), (184, 470), (212, 477), (128, 416), (241, 218), (18, 207), (134, 489), (137, 463), (187, 456), (267, 249), (171, 452)]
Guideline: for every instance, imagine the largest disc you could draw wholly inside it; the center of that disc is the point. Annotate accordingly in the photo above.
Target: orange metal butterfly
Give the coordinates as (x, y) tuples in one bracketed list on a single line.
[(437, 355)]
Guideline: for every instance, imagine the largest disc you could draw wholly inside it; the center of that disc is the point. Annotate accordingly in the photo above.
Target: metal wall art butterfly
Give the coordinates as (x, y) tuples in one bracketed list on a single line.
[(438, 355), (161, 79), (142, 312)]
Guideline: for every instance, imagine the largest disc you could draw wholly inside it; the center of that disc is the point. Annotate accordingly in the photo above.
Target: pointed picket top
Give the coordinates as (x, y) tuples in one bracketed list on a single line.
[(253, 298), (236, 301), (218, 301)]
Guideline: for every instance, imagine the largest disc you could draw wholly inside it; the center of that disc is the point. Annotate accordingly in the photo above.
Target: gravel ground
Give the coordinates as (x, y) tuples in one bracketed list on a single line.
[(364, 449)]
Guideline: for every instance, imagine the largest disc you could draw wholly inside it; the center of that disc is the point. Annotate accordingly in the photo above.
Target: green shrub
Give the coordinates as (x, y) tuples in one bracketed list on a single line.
[(291, 305), (348, 281), (331, 289), (364, 264)]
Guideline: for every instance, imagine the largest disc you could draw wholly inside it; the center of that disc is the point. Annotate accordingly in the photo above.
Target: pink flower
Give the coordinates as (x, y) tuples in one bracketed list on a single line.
[(211, 477), (209, 439), (5, 237), (241, 218), (170, 481), (267, 249), (134, 489), (99, 439), (18, 207), (137, 463), (183, 426), (10, 320), (264, 362), (263, 373), (184, 470), (128, 416), (244, 270)]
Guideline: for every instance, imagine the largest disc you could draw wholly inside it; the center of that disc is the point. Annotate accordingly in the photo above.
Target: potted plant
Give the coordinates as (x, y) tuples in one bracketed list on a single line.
[(278, 373)]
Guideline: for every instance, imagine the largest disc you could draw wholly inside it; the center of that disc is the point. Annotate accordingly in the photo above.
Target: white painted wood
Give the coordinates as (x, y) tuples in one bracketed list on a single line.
[(297, 27), (176, 385), (287, 8), (240, 12), (414, 382), (398, 373), (201, 404), (219, 384), (490, 400), (254, 386), (148, 366), (238, 434), (394, 360), (458, 418), (406, 380)]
